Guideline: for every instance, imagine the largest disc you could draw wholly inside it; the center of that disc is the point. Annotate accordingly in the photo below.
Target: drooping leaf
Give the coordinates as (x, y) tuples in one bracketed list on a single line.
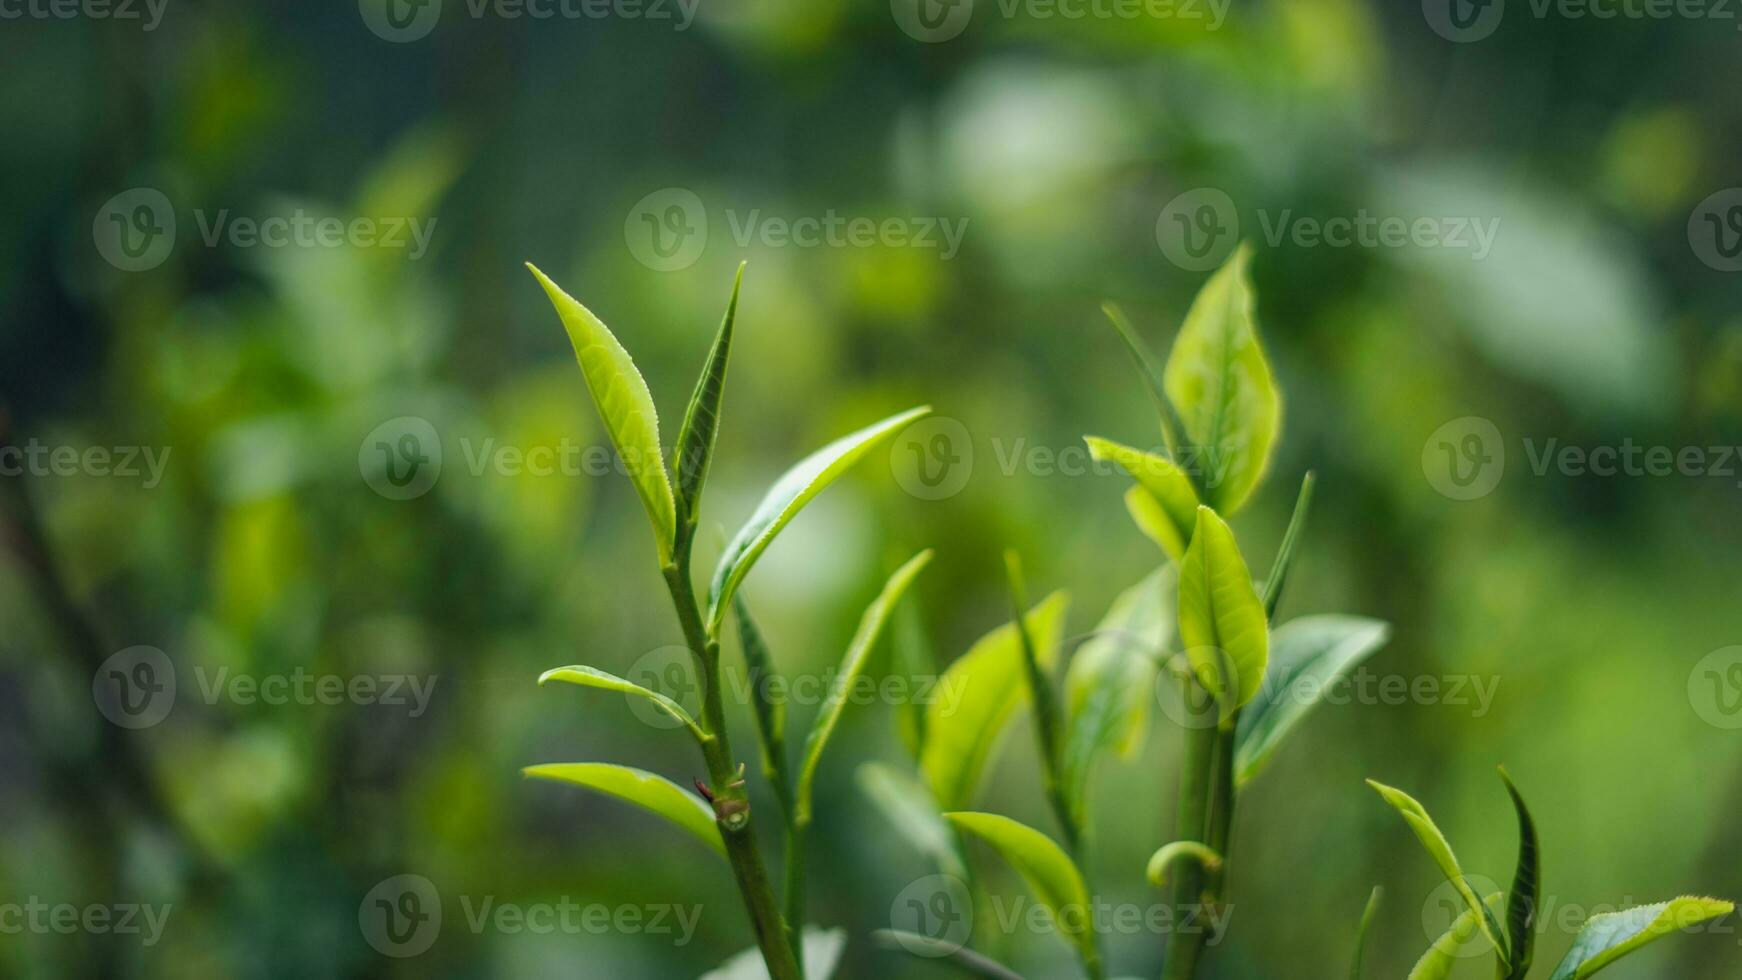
[(1440, 850), (1110, 684), (914, 814), (795, 488), (822, 949), (701, 420), (1526, 893), (1357, 968), (1048, 871), (594, 677), (852, 668), (1221, 384), (1606, 938), (770, 711), (1221, 620), (976, 698), (625, 405), (1437, 962), (1164, 481), (1308, 656), (644, 789)]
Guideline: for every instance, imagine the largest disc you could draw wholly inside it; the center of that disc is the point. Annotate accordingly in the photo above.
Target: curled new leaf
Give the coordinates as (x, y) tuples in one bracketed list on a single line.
[(621, 396), (701, 421), (1606, 938), (852, 668), (1218, 379), (795, 488), (593, 677), (1526, 888), (644, 789)]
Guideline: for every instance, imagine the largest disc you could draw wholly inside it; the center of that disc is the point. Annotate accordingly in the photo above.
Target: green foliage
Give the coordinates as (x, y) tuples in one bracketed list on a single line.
[(1442, 956), (1606, 938), (1049, 872), (701, 420), (1221, 620), (1358, 965), (1307, 656), (1440, 850), (1526, 893), (651, 792), (1165, 484), (593, 677)]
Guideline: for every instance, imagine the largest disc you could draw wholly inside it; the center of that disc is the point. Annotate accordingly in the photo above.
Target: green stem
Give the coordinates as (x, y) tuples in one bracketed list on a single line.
[(795, 891), (730, 800), (1185, 946), (1046, 724)]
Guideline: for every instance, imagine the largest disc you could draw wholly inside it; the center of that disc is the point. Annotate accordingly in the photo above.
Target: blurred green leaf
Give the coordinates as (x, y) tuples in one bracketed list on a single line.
[(1442, 956), (914, 813), (594, 677), (1440, 850), (1357, 967), (1048, 870), (795, 488), (1606, 938), (1307, 656), (770, 711), (822, 949), (644, 789), (1165, 482)]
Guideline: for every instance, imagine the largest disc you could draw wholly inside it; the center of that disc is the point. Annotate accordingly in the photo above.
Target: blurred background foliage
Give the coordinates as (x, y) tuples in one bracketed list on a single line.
[(1059, 141)]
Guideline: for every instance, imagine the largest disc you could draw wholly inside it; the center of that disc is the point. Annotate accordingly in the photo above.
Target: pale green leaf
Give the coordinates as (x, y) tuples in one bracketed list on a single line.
[(822, 949), (795, 488), (1165, 482), (1606, 938), (1308, 656), (625, 405), (1437, 962), (1110, 685), (852, 668), (644, 789), (1048, 871), (1357, 967), (976, 698), (701, 421), (914, 814), (1221, 384), (1150, 518), (1440, 850), (1221, 620), (594, 677)]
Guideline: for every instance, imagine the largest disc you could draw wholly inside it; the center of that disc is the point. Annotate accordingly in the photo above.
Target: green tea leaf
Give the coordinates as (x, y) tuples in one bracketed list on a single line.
[(1278, 576), (976, 698), (1221, 620), (852, 667), (1367, 914), (1147, 513), (1049, 872), (1164, 413), (1110, 684), (1437, 962), (644, 789), (625, 404), (1440, 850), (701, 421), (770, 712), (1164, 481), (914, 814), (1526, 892), (797, 487), (822, 949), (1307, 657), (1219, 381), (1607, 938), (593, 677)]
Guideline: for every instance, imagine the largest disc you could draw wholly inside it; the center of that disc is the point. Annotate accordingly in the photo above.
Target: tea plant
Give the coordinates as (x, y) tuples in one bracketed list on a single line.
[(721, 816), (1240, 676), (1603, 939)]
